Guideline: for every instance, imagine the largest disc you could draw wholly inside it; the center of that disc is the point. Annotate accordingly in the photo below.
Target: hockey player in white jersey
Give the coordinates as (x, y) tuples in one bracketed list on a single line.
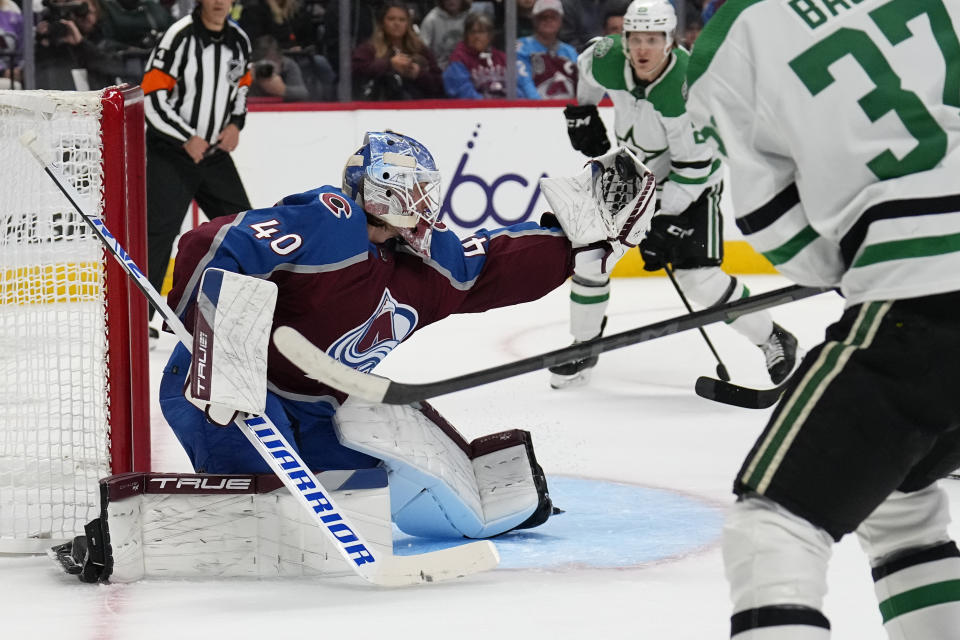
[(643, 72), (840, 124)]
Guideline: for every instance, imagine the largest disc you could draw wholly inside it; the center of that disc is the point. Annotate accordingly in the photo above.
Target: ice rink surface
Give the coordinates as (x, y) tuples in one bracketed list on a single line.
[(638, 424)]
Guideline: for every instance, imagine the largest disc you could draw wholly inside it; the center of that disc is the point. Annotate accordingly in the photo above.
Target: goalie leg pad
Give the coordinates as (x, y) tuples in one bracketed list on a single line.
[(776, 565), (441, 485), (155, 525), (911, 552)]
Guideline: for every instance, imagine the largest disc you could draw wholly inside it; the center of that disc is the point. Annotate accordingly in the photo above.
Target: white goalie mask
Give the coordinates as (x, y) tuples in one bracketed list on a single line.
[(604, 202), (395, 179)]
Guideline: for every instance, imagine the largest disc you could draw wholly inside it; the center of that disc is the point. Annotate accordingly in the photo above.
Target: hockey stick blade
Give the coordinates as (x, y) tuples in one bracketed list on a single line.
[(382, 569), (321, 367), (733, 394)]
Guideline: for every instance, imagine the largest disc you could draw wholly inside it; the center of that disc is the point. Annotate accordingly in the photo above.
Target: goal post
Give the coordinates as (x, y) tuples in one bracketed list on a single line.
[(74, 375)]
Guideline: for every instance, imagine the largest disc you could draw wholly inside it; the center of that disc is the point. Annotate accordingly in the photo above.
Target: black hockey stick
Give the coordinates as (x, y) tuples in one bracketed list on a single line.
[(318, 365), (734, 394), (721, 368)]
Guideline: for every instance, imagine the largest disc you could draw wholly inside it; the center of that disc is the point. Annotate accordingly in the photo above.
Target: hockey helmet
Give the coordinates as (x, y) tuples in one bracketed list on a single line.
[(649, 15), (395, 179)]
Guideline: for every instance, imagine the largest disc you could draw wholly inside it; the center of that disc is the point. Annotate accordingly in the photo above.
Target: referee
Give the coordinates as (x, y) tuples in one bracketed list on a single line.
[(195, 86)]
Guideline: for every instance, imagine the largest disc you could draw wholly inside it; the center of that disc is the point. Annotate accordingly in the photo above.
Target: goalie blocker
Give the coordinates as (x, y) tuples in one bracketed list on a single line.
[(435, 485)]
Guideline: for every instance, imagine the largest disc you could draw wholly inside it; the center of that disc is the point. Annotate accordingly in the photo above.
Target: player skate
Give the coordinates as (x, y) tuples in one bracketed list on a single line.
[(602, 212), (780, 352), (578, 372)]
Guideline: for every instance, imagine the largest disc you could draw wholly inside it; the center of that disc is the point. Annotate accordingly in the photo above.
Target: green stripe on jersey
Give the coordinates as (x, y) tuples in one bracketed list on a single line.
[(713, 35), (925, 596), (793, 246), (833, 357), (910, 248)]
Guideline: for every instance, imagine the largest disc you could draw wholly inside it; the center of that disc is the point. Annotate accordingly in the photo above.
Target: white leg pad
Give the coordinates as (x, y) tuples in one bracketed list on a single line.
[(440, 485), (710, 286), (199, 525), (773, 557), (914, 563)]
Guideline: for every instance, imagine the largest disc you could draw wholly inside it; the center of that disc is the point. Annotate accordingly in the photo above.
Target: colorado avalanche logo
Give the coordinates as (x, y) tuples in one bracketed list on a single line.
[(364, 347)]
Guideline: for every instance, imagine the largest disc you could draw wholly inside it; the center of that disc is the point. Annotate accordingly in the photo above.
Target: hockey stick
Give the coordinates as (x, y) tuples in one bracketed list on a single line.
[(383, 570), (734, 394), (318, 365), (721, 368)]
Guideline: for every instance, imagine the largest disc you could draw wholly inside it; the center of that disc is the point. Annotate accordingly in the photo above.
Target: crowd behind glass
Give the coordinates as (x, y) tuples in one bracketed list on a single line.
[(399, 49)]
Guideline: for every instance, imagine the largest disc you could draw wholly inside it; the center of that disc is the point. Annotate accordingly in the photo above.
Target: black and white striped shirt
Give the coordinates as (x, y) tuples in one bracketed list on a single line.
[(196, 80)]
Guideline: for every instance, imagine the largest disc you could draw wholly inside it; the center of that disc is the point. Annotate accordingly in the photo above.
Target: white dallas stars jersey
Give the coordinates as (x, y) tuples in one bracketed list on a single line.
[(841, 123), (651, 120)]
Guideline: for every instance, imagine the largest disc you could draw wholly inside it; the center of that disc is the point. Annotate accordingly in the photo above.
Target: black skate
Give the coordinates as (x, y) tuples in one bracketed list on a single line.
[(86, 556), (576, 373), (780, 351)]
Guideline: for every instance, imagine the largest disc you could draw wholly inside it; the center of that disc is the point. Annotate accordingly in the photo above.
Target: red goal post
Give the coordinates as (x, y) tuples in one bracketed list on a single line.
[(74, 374)]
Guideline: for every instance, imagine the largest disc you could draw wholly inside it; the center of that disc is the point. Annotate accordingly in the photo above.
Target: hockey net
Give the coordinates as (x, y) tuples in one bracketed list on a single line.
[(73, 347)]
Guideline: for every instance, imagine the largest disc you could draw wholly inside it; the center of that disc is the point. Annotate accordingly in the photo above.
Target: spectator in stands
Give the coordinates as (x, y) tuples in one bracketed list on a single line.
[(274, 74), (395, 64), (524, 20), (613, 17), (363, 16), (11, 39), (690, 33), (442, 28), (710, 7), (613, 23), (476, 69), (201, 61), (130, 28), (69, 53), (291, 25), (546, 67)]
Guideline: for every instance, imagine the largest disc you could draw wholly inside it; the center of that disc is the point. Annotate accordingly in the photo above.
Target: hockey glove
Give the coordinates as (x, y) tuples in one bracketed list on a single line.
[(664, 242), (587, 133)]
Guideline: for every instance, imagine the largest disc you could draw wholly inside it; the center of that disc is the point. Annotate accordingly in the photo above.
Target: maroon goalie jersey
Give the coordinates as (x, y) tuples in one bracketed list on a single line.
[(356, 300)]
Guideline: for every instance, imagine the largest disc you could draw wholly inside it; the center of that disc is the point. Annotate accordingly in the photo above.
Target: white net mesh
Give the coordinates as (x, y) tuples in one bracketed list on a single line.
[(54, 403)]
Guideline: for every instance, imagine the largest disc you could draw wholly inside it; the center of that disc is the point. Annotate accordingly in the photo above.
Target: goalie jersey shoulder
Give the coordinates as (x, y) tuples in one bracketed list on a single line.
[(320, 226)]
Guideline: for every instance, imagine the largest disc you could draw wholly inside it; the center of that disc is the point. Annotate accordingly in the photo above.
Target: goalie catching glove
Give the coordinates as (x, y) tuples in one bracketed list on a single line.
[(602, 210), (587, 132)]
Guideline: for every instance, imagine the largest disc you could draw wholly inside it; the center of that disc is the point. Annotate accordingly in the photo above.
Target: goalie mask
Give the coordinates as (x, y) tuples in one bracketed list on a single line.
[(395, 179)]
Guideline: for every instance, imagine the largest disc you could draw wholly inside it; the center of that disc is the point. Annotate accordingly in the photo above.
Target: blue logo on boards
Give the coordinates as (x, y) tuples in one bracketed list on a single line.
[(605, 525), (486, 209)]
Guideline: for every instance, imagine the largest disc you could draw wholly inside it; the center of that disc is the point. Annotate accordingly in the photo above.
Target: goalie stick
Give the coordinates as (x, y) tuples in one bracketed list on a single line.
[(382, 570), (321, 367), (738, 396)]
